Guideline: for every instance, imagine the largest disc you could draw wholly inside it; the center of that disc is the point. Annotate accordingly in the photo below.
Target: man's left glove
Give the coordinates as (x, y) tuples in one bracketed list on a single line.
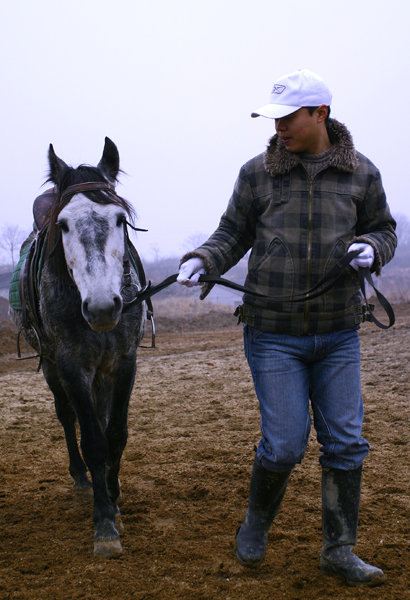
[(365, 258)]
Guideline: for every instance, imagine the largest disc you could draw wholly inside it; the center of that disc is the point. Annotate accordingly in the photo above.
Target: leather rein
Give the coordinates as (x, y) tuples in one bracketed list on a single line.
[(323, 286)]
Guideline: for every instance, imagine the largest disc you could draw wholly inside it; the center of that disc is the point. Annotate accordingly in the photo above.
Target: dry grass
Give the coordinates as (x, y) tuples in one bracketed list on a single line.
[(395, 287), (177, 307)]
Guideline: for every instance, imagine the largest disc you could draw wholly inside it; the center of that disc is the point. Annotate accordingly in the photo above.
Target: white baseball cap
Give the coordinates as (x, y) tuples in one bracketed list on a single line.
[(291, 92)]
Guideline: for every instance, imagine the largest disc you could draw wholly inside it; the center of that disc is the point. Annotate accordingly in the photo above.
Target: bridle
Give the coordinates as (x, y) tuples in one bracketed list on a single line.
[(90, 186), (128, 250), (87, 186), (29, 293)]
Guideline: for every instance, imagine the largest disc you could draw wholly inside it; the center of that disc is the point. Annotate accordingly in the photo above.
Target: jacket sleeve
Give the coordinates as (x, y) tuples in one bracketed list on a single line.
[(375, 225), (234, 235)]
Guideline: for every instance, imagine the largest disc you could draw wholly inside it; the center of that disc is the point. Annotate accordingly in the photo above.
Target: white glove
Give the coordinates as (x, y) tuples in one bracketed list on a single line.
[(190, 271), (365, 258)]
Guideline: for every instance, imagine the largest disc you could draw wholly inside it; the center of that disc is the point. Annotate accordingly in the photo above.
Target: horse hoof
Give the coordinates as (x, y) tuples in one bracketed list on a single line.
[(107, 547), (106, 539), (83, 490)]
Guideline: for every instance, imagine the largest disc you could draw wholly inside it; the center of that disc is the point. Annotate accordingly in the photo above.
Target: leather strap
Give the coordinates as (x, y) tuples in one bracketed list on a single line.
[(88, 186), (44, 203), (365, 275), (323, 286)]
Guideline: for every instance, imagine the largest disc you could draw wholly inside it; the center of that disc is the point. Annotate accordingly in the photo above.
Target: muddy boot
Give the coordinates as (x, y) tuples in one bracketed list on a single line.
[(340, 513), (266, 492)]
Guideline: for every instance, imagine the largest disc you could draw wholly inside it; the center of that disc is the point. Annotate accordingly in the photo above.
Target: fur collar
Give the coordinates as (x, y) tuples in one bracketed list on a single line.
[(278, 160)]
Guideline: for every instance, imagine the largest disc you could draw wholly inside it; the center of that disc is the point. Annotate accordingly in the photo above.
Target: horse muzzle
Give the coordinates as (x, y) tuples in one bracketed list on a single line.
[(102, 315)]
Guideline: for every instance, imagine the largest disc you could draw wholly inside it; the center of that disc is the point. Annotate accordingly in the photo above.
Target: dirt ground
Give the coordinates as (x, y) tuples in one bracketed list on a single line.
[(185, 473)]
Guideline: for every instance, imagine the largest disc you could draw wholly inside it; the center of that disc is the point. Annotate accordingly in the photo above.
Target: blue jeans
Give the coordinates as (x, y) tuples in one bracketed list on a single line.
[(287, 370)]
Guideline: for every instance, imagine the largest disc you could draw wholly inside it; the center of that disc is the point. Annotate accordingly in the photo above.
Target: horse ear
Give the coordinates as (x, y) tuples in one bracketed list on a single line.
[(57, 166), (110, 160)]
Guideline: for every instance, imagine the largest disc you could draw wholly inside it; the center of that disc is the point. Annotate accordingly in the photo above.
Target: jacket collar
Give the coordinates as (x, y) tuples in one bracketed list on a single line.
[(278, 160)]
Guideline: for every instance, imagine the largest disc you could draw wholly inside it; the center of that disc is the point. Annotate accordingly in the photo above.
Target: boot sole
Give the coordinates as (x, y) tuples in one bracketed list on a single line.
[(244, 563), (249, 564), (330, 571)]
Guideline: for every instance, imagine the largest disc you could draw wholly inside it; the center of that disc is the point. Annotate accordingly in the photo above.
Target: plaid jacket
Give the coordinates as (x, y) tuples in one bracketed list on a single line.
[(297, 230)]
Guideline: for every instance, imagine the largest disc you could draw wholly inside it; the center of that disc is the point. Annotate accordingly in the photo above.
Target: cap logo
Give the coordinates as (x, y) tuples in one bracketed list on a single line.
[(278, 89)]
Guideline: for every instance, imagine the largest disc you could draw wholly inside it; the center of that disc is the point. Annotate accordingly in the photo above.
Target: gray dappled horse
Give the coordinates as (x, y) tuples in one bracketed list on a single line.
[(88, 340)]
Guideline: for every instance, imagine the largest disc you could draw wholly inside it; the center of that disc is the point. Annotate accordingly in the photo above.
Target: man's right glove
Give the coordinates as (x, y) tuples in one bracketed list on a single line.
[(190, 271), (365, 258)]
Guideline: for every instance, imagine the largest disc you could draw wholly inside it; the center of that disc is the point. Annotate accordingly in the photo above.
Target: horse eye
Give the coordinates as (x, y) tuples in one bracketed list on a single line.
[(121, 220), (63, 226)]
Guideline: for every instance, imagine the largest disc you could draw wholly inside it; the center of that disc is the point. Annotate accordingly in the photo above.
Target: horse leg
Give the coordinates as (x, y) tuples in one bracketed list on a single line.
[(103, 406), (94, 449), (117, 432), (67, 418)]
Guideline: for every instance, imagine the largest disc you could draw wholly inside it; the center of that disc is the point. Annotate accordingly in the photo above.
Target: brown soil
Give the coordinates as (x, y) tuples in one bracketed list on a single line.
[(185, 473)]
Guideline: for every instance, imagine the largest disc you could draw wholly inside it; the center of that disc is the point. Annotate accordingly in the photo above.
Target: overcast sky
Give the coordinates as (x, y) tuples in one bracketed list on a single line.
[(173, 83)]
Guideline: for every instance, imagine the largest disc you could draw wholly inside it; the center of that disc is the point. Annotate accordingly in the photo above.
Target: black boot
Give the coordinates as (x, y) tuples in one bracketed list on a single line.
[(265, 496), (340, 513)]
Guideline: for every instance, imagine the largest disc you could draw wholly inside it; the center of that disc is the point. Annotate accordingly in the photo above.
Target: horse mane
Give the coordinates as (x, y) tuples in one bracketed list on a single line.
[(71, 176)]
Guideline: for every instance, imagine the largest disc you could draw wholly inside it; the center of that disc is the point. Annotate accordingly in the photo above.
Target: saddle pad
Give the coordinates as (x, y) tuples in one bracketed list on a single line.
[(14, 292)]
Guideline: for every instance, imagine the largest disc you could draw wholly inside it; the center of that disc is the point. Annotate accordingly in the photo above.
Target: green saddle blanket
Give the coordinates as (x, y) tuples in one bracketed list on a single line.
[(14, 291)]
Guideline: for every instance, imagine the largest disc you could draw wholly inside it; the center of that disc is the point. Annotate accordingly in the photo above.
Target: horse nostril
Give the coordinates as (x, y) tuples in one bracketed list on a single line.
[(102, 314), (117, 306), (85, 310)]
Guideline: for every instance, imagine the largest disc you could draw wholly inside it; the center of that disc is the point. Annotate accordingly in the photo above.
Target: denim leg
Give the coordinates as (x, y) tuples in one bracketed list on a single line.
[(286, 371), (335, 391), (281, 381)]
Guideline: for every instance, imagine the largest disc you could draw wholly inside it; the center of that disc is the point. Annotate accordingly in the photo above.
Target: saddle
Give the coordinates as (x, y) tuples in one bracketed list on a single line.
[(23, 293), (43, 206), (26, 277)]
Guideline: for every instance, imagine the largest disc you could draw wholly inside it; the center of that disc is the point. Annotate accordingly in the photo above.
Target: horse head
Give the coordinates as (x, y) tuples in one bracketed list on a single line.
[(91, 224)]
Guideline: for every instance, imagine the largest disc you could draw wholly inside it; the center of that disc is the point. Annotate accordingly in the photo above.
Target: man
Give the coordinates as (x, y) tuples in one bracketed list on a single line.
[(300, 206)]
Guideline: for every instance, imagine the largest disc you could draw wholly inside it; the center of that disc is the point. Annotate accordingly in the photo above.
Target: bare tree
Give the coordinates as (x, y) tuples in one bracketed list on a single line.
[(195, 240), (11, 238), (403, 229), (156, 252)]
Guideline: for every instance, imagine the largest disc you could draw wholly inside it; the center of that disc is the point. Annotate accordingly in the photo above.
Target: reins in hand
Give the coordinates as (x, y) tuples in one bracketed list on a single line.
[(323, 286)]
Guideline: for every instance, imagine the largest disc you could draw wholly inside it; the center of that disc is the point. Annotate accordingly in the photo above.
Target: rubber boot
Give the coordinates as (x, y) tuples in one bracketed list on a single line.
[(265, 496), (340, 513)]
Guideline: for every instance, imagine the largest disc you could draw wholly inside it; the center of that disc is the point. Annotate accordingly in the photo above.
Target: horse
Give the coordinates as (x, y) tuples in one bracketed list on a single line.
[(86, 333)]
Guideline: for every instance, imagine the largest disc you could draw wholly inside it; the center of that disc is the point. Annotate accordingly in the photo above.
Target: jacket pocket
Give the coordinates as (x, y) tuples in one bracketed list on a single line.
[(272, 274), (336, 298)]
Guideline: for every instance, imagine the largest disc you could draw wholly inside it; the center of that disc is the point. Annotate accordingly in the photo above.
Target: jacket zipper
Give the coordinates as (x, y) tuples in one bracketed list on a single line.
[(309, 252)]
